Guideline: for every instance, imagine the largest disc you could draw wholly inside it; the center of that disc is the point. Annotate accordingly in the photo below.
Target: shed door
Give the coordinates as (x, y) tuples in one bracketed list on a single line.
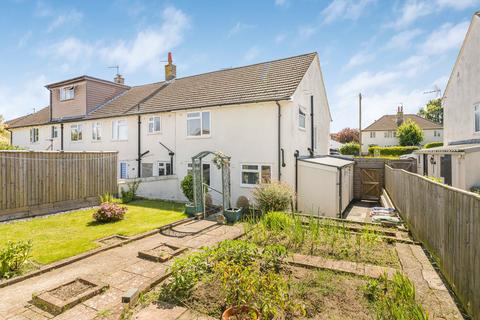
[(370, 183), (446, 169)]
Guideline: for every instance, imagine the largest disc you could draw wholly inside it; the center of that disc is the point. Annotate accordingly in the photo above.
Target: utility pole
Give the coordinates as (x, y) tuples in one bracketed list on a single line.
[(360, 122)]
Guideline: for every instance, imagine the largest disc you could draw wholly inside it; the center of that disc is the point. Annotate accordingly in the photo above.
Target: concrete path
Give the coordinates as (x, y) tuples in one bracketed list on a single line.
[(120, 268), (358, 211)]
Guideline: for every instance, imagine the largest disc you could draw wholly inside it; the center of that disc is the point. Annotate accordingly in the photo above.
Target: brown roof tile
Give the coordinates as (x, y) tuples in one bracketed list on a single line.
[(389, 122), (40, 117)]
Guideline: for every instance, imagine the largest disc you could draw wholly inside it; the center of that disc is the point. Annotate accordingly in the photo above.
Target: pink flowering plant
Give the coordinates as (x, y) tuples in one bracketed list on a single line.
[(109, 212)]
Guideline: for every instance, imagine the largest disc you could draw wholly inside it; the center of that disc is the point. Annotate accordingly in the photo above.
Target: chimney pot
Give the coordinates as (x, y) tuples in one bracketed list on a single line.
[(119, 79), (399, 115), (170, 69)]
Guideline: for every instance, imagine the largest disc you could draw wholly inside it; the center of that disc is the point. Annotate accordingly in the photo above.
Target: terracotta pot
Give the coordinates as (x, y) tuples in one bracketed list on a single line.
[(232, 311)]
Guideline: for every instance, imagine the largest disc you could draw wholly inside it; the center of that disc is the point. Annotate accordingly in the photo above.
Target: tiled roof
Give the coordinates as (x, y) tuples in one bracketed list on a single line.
[(40, 117), (389, 122)]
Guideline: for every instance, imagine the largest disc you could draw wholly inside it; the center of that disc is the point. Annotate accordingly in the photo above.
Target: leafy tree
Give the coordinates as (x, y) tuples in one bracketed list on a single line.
[(350, 148), (433, 111), (409, 134), (4, 136), (346, 135)]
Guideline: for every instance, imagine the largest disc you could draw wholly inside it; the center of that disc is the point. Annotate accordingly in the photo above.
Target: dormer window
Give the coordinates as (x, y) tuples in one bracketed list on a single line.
[(67, 93)]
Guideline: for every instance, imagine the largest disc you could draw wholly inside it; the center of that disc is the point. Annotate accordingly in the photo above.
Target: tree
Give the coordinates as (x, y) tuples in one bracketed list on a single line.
[(346, 135), (4, 137), (409, 134), (433, 111)]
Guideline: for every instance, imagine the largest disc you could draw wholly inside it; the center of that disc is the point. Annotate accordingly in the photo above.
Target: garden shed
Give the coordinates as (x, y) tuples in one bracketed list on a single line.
[(324, 185)]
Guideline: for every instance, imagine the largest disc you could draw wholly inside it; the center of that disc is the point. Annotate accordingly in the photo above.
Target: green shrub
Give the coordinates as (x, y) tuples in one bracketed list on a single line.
[(392, 151), (433, 145), (109, 212), (106, 197), (13, 256), (409, 134), (475, 189), (439, 180), (7, 146), (351, 148), (187, 187), (131, 193), (273, 196)]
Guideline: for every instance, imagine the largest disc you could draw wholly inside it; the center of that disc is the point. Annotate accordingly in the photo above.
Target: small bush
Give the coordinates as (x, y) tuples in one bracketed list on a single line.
[(13, 256), (351, 148), (131, 193), (5, 146), (409, 134), (433, 145), (187, 187), (475, 189), (392, 151), (106, 197), (109, 212), (439, 180), (273, 196)]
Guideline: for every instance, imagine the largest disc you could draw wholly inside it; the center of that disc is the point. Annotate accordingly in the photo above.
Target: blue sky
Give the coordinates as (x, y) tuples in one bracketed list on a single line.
[(391, 51)]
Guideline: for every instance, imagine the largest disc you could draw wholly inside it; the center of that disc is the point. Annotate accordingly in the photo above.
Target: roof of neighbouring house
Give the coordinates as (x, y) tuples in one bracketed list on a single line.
[(268, 81), (389, 122), (81, 78), (40, 117), (329, 161)]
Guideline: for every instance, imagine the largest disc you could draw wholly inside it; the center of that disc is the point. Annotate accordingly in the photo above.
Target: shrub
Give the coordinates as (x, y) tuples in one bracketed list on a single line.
[(109, 212), (439, 180), (409, 134), (13, 256), (106, 197), (475, 189), (187, 187), (131, 193), (6, 146), (392, 151), (351, 148), (274, 196), (433, 145)]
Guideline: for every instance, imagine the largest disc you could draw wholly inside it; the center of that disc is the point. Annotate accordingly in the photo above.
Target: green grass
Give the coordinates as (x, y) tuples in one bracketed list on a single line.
[(61, 236)]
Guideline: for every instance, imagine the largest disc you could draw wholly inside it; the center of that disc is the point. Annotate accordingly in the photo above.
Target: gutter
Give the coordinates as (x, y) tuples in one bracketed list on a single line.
[(61, 136)]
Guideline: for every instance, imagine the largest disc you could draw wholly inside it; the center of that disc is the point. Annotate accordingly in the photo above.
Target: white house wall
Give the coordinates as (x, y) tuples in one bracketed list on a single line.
[(463, 89), (381, 140)]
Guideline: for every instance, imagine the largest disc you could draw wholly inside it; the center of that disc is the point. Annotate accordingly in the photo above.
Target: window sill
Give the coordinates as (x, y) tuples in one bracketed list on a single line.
[(64, 100), (199, 137), (302, 129), (249, 186), (122, 140), (76, 141), (154, 133)]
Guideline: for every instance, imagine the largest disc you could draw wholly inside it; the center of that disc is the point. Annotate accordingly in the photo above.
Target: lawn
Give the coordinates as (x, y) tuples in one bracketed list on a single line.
[(61, 236)]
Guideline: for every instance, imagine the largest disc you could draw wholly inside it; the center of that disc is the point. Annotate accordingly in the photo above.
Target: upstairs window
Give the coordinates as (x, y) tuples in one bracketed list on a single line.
[(76, 132), (198, 124), (119, 130), (477, 117), (67, 93), (54, 132), (253, 174), (96, 131), (154, 124), (436, 133), (301, 119), (372, 134), (33, 135)]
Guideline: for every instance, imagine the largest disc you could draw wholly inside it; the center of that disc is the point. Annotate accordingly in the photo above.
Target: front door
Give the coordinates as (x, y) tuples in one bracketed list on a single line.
[(446, 169)]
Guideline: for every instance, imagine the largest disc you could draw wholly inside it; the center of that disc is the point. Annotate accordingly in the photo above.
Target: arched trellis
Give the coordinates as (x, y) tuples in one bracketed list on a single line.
[(222, 162)]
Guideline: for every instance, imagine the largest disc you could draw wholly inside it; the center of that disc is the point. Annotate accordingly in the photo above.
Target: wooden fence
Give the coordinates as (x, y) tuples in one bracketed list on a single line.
[(40, 182), (447, 221)]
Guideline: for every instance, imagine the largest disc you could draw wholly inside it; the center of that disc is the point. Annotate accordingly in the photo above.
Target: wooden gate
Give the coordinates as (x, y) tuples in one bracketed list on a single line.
[(371, 183)]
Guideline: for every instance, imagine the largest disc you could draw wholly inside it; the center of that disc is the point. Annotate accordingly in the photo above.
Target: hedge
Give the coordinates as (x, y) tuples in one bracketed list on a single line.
[(392, 151), (350, 148), (433, 145)]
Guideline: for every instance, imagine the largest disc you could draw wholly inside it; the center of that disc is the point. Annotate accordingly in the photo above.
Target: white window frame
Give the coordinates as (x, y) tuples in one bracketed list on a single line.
[(67, 93), (34, 135), (372, 134), (258, 171), (79, 128), (302, 114), (120, 169), (151, 124), (116, 129), (165, 165), (200, 117), (190, 168), (96, 131), (54, 132), (436, 133), (476, 113)]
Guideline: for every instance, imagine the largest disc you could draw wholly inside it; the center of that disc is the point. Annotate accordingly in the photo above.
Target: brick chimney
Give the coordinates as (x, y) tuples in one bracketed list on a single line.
[(170, 69), (399, 115), (119, 79)]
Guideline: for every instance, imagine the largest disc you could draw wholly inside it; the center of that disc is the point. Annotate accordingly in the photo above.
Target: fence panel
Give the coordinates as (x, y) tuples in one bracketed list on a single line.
[(39, 182), (447, 221)]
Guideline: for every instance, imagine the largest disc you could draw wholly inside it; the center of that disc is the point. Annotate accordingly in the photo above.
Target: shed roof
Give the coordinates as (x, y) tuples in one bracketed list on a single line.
[(329, 161), (461, 148)]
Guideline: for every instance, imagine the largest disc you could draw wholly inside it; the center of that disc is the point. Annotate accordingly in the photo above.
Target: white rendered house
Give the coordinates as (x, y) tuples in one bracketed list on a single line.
[(457, 163), (259, 115)]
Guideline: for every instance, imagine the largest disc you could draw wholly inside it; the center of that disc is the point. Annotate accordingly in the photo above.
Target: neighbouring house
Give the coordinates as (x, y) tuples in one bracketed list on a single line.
[(383, 132), (260, 115), (457, 162)]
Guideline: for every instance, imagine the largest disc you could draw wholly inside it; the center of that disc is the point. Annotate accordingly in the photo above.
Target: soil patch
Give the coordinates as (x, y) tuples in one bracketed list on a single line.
[(72, 289), (161, 253)]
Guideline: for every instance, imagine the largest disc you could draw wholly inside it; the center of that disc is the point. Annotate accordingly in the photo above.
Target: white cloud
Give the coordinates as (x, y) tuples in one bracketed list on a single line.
[(457, 4), (281, 3), (18, 101), (447, 37), (239, 27), (280, 38), (367, 80), (345, 10), (306, 32), (359, 59), (70, 49), (252, 53), (71, 17), (403, 39), (24, 39)]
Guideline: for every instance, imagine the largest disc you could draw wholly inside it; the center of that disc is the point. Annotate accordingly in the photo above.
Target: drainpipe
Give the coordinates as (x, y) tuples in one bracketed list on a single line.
[(339, 171), (279, 142), (312, 133), (61, 136), (139, 151), (11, 136), (296, 155)]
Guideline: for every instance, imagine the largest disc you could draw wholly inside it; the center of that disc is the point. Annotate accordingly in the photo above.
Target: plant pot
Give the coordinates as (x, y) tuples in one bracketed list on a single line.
[(233, 214), (247, 313), (190, 209)]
